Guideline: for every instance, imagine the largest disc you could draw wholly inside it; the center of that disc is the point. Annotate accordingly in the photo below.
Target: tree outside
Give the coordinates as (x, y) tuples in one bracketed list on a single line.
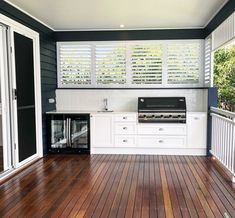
[(224, 76)]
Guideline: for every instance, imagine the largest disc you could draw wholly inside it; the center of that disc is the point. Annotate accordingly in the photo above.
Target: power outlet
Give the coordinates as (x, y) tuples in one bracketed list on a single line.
[(51, 100)]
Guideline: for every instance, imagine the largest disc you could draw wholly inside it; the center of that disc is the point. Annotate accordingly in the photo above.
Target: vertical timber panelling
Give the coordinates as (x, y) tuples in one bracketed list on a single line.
[(47, 55)]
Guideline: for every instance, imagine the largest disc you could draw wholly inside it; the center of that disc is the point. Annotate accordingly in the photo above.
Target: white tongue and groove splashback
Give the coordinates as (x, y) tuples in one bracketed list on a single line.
[(124, 100)]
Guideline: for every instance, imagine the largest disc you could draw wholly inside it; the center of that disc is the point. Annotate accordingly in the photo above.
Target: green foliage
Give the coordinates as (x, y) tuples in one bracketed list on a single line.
[(224, 77)]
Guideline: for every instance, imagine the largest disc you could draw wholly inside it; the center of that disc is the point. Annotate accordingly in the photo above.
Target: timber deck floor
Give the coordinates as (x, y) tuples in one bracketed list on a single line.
[(118, 186)]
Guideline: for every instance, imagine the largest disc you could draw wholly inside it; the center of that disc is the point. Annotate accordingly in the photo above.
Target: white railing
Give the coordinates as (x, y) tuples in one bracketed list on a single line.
[(223, 138)]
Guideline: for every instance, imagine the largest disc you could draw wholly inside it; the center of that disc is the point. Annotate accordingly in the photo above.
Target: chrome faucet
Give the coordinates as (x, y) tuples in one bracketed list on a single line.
[(106, 104)]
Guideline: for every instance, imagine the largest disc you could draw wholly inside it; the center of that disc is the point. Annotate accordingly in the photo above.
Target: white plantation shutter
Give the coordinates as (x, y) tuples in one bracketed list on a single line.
[(110, 64), (146, 63), (74, 64), (183, 60), (130, 64), (207, 73)]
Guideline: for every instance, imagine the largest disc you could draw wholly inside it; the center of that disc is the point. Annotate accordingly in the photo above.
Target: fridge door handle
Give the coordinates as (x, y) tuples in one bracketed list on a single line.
[(69, 132)]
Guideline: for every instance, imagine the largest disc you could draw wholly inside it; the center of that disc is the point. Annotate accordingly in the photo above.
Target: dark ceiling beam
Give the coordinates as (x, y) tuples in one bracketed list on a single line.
[(115, 35)]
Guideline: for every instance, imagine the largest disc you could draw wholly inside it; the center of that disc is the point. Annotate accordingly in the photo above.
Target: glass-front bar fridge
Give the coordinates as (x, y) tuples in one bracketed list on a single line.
[(69, 133)]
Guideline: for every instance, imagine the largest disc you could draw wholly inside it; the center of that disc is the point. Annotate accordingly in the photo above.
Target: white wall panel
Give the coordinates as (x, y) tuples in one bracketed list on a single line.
[(225, 32), (124, 100)]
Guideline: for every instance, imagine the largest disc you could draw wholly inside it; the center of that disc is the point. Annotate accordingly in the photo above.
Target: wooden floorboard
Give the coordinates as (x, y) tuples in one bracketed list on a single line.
[(118, 186)]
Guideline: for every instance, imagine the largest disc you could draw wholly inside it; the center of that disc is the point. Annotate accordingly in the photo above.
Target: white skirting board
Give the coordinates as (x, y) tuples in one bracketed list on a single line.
[(151, 151)]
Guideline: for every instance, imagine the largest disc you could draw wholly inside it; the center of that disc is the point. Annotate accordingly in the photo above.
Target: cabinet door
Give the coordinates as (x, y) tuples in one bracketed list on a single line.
[(125, 141), (125, 128), (59, 131), (102, 131), (161, 141), (196, 130)]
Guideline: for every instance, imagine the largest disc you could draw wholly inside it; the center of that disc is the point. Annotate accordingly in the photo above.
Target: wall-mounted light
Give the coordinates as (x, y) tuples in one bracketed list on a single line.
[(122, 25)]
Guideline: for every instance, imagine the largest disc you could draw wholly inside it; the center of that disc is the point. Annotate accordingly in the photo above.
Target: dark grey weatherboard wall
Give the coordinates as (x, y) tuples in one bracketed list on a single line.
[(47, 55)]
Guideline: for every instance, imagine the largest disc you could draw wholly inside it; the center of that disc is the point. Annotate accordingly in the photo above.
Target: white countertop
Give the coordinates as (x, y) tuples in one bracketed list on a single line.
[(100, 112), (87, 112)]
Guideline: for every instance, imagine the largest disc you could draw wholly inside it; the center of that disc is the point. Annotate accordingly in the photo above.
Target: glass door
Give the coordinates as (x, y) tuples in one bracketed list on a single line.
[(20, 96), (59, 131), (6, 162), (79, 137)]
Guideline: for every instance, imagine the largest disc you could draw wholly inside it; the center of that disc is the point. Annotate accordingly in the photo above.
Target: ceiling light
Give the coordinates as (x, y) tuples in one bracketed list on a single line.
[(122, 25)]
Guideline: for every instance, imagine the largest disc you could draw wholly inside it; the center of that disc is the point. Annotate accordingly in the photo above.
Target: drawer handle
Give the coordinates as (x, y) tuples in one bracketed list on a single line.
[(124, 118), (161, 129), (125, 140), (160, 141), (124, 128), (196, 118)]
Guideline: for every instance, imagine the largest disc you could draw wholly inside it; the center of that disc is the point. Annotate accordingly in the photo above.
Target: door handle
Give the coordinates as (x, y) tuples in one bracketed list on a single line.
[(69, 132), (14, 94)]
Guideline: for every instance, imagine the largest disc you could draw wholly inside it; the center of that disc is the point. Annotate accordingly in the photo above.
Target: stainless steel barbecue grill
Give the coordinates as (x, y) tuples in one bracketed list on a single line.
[(161, 110)]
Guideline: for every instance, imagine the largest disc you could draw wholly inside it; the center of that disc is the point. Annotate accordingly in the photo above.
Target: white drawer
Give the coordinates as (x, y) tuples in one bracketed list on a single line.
[(125, 118), (125, 128), (125, 141), (156, 129), (161, 142)]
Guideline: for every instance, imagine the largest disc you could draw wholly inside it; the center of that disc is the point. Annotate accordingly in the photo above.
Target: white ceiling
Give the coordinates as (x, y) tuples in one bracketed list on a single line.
[(109, 14)]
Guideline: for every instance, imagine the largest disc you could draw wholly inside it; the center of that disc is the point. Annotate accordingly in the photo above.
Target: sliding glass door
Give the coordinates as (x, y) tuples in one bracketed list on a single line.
[(6, 148), (20, 96)]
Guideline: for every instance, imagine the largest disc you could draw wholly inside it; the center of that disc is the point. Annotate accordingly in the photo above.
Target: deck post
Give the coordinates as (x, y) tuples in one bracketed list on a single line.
[(233, 179), (212, 101)]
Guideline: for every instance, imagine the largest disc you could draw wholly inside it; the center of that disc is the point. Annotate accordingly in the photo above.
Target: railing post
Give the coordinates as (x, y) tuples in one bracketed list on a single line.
[(212, 100), (233, 179)]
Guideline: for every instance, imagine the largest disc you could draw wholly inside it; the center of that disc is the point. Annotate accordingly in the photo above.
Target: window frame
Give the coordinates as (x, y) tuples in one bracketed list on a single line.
[(128, 84)]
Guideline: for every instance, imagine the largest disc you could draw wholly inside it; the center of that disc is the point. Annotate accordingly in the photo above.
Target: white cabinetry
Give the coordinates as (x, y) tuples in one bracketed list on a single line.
[(196, 129), (125, 130), (102, 130), (161, 135), (125, 141), (120, 133), (162, 129), (161, 141)]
